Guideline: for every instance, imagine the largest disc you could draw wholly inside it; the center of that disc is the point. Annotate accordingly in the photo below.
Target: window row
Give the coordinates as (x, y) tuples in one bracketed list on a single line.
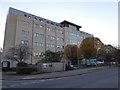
[(73, 41), (60, 47), (38, 26), (50, 29), (41, 20), (36, 54), (60, 39), (38, 44), (24, 42), (59, 31), (42, 36), (25, 23), (50, 45), (39, 35), (53, 30), (42, 27), (50, 37)]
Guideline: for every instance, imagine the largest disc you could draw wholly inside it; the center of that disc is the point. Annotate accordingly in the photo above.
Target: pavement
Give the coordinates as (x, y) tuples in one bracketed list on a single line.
[(53, 74)]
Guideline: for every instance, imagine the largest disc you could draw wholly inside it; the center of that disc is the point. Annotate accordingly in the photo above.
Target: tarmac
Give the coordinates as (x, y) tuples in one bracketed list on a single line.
[(53, 74)]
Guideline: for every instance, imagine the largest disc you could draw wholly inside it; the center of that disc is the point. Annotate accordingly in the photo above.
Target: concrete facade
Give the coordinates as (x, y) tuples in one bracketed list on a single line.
[(39, 33), (84, 35)]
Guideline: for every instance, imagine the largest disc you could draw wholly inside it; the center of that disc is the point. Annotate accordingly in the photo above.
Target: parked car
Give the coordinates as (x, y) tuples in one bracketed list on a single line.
[(70, 67), (100, 62)]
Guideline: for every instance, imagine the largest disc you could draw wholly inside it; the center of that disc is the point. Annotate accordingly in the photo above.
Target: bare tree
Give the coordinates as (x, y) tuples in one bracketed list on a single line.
[(19, 53)]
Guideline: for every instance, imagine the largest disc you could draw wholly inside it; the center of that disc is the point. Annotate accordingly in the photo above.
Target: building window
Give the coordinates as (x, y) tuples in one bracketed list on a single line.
[(39, 35), (40, 20), (53, 30), (53, 37), (41, 26), (61, 25), (72, 36), (36, 44), (25, 23), (36, 34), (48, 22), (35, 18), (50, 45), (60, 39), (29, 16), (41, 44), (25, 32), (47, 28), (53, 45), (52, 23), (60, 47), (36, 54), (50, 37), (25, 15), (59, 32), (24, 42), (36, 25), (50, 29)]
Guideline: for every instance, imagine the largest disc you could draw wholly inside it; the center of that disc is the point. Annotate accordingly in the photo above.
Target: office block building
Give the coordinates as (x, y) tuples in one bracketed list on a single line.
[(39, 33)]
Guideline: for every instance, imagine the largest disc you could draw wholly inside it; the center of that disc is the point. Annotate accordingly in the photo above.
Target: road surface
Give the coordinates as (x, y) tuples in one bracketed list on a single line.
[(107, 78)]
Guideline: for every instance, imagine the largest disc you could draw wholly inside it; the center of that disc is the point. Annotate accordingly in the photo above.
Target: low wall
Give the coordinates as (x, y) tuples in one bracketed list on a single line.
[(50, 67)]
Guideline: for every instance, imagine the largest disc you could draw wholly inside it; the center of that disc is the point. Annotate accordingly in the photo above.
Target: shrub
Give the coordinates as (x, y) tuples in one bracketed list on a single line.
[(25, 70), (22, 64)]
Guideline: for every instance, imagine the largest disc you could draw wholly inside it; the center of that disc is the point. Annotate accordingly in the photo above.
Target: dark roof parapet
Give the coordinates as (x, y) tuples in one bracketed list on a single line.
[(66, 23)]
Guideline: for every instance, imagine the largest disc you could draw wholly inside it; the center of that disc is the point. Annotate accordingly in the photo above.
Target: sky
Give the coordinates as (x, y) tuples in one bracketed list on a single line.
[(97, 18)]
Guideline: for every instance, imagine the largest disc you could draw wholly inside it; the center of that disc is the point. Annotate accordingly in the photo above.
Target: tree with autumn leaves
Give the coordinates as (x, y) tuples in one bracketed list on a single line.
[(70, 53), (87, 48), (90, 48)]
